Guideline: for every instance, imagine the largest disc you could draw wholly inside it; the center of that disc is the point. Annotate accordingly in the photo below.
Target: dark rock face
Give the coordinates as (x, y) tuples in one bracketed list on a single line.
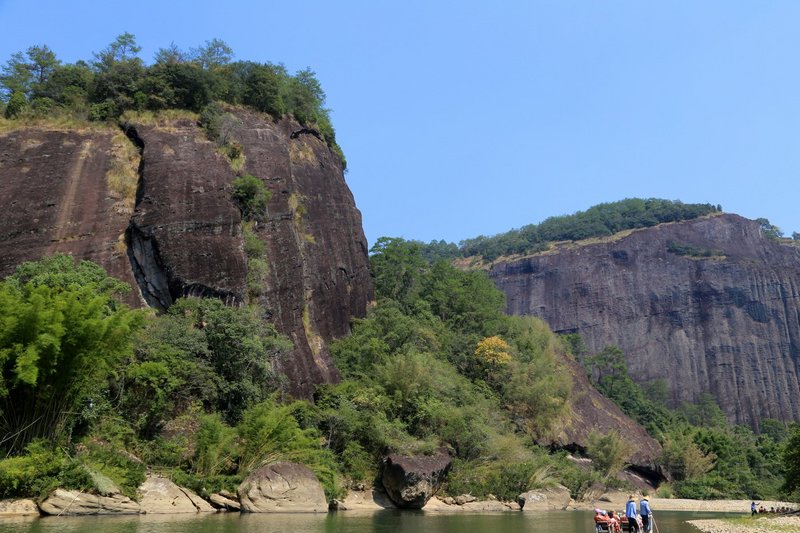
[(410, 481), (728, 325), (54, 197), (184, 236)]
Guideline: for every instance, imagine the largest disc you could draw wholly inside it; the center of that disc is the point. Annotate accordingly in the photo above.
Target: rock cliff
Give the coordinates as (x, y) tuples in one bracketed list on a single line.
[(175, 231), (723, 318)]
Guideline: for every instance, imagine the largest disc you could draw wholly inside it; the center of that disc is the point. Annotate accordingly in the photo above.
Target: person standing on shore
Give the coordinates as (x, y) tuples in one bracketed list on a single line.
[(753, 509), (646, 512), (630, 512)]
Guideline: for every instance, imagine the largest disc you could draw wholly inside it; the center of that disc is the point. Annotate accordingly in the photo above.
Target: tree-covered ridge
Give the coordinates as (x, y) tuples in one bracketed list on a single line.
[(35, 83), (598, 221)]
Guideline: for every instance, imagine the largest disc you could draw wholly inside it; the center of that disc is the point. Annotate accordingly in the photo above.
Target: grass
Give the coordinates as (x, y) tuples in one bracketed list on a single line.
[(57, 122), (160, 119), (298, 214), (301, 153), (123, 173)]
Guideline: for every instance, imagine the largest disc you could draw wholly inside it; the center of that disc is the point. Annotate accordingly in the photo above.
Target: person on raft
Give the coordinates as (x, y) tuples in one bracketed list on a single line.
[(646, 513), (630, 512)]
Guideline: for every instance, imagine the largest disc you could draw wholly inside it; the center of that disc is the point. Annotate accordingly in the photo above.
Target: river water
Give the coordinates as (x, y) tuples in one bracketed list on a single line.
[(388, 521)]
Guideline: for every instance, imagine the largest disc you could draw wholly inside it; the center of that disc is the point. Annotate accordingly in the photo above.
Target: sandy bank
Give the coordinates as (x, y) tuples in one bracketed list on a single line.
[(616, 500), (758, 525)]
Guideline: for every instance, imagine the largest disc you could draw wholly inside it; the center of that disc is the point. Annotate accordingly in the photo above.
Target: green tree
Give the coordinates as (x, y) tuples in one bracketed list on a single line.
[(264, 89), (122, 49), (43, 62), (769, 230), (791, 463), (397, 268), (225, 357), (252, 197), (61, 335), (608, 452), (214, 53), (608, 369), (16, 104), (16, 76), (171, 55)]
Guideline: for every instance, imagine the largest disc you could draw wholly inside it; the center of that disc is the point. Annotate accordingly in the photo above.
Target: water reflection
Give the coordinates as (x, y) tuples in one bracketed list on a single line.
[(382, 521)]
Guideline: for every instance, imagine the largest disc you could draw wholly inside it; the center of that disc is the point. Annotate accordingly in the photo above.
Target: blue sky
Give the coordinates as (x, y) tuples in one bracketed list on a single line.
[(462, 118)]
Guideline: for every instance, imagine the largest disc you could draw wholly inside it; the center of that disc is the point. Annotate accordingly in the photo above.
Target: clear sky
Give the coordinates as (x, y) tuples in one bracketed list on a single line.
[(462, 118)]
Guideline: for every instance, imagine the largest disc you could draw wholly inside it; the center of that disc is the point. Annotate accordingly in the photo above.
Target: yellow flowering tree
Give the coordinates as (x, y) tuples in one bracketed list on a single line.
[(493, 352)]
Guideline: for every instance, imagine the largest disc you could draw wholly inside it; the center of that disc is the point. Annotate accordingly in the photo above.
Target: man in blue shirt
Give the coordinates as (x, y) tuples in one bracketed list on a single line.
[(630, 512), (644, 510)]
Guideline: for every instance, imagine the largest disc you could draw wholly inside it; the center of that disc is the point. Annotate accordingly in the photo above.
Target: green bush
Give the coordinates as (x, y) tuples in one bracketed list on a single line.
[(504, 479), (115, 463), (39, 470), (252, 197), (608, 452), (215, 447)]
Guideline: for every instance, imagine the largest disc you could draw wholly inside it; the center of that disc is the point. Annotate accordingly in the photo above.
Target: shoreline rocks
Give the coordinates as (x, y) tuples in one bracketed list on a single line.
[(282, 487), (159, 495), (73, 503), (411, 480), (18, 507)]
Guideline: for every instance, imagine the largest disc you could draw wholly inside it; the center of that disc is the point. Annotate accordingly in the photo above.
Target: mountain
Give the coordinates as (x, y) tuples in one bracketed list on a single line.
[(710, 305), (153, 206)]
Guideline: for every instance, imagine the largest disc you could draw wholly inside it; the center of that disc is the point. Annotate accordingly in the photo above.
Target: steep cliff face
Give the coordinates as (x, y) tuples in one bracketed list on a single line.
[(727, 324), (54, 197), (182, 234)]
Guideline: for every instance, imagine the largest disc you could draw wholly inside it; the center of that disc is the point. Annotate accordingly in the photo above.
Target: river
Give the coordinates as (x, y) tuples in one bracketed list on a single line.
[(388, 521)]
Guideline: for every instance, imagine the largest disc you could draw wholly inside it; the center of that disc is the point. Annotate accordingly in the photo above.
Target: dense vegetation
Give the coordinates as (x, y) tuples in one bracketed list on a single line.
[(706, 456), (599, 221), (602, 220), (36, 84), (195, 392)]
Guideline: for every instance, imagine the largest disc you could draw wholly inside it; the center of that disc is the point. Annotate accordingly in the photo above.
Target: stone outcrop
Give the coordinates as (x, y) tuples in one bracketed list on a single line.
[(67, 502), (728, 324), (225, 502), (369, 499), (159, 495), (181, 234), (282, 487), (410, 481), (19, 507), (449, 505), (545, 499)]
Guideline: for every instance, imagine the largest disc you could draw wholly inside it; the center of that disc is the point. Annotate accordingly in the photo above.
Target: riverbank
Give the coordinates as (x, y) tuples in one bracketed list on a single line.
[(617, 499), (766, 524)]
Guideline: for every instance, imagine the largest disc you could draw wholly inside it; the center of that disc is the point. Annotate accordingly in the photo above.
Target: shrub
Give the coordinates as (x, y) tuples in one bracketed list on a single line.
[(252, 197), (269, 432), (608, 452), (505, 479), (40, 469), (215, 448)]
